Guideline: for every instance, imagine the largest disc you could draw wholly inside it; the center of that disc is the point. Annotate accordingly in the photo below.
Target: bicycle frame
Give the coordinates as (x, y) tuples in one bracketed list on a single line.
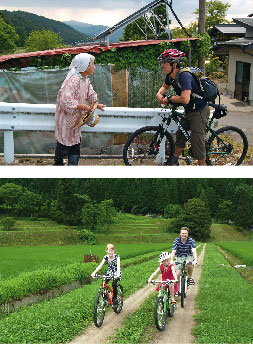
[(176, 117), (108, 291), (165, 294)]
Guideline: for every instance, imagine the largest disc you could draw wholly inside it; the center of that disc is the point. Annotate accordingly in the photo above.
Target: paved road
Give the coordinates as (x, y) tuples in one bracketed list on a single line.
[(239, 115)]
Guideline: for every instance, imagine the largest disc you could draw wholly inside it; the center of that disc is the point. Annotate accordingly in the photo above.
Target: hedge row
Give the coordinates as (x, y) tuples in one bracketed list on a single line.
[(59, 320), (43, 280)]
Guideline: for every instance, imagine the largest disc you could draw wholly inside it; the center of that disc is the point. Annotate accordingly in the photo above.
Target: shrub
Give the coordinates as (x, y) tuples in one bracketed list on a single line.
[(172, 210), (87, 237), (8, 223)]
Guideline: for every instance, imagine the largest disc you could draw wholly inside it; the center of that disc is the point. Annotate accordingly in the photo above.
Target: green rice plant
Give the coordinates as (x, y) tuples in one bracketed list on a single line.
[(241, 250), (224, 303), (28, 283), (61, 319), (30, 258)]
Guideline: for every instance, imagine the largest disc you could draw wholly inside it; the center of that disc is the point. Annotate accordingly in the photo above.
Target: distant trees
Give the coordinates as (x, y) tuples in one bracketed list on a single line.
[(8, 37), (92, 203), (215, 14), (43, 40), (195, 215)]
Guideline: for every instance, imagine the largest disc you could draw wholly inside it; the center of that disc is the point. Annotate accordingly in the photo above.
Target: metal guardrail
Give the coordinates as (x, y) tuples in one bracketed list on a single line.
[(40, 117)]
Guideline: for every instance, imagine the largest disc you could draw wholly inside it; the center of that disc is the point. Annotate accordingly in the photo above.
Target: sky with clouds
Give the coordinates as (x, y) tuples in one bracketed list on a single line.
[(110, 12)]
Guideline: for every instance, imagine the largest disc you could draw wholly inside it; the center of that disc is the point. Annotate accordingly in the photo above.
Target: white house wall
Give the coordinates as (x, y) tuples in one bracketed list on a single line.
[(234, 56)]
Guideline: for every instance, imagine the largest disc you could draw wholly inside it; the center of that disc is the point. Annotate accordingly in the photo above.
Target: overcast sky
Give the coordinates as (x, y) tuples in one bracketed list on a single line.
[(110, 12)]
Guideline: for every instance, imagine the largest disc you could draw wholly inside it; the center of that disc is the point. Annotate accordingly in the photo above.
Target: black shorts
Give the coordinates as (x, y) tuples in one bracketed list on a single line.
[(61, 151)]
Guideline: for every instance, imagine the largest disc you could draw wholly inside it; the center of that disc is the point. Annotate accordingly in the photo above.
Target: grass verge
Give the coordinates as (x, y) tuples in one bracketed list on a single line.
[(61, 319), (224, 303)]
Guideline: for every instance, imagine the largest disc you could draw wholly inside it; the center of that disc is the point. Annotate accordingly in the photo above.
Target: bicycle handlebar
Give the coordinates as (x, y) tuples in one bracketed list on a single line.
[(189, 263), (163, 282), (102, 276)]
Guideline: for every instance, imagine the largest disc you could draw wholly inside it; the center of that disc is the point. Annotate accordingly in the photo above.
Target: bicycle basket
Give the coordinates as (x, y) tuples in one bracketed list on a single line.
[(220, 111)]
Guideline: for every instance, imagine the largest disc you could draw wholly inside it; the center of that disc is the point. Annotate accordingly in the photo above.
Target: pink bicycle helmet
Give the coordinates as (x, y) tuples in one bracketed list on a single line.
[(171, 55)]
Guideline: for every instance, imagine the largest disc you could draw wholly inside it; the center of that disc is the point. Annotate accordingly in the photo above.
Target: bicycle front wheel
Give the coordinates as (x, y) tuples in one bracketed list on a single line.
[(99, 309), (160, 314), (227, 146), (120, 298), (148, 146)]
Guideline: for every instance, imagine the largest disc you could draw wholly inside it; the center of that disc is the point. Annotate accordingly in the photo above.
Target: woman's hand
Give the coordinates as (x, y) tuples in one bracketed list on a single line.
[(101, 107)]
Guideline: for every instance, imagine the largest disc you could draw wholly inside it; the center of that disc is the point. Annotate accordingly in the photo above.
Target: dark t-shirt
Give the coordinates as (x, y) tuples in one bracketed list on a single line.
[(187, 82)]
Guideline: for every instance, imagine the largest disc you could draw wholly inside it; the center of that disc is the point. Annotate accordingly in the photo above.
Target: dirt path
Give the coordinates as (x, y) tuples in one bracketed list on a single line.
[(112, 320), (178, 330)]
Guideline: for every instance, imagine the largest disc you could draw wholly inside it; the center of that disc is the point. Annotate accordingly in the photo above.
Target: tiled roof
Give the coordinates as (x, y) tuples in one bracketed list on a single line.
[(246, 22), (92, 48), (229, 29)]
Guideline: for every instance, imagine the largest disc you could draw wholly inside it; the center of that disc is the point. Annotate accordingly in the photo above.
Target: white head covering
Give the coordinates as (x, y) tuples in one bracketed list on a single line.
[(79, 64)]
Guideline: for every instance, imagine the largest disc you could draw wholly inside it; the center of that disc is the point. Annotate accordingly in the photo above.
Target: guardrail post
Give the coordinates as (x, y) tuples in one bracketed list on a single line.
[(8, 147)]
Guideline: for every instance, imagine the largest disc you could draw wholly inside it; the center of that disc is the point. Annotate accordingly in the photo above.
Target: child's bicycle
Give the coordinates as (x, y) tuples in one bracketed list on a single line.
[(104, 298), (163, 305), (154, 145), (183, 281)]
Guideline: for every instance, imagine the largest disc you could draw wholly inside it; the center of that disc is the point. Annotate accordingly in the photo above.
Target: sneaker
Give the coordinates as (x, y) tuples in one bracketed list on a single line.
[(190, 281), (173, 161), (174, 302)]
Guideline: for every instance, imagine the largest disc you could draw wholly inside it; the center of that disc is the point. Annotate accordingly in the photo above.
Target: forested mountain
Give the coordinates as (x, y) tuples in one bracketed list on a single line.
[(151, 195), (25, 22), (93, 30)]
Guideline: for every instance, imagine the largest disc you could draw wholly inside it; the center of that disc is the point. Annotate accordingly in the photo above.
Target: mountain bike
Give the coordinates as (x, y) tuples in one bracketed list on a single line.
[(163, 305), (104, 298), (154, 145), (183, 281)]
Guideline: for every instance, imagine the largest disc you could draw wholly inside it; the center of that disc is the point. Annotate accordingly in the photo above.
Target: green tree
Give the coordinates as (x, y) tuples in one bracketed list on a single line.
[(8, 37), (192, 29), (225, 211), (215, 13), (243, 215), (195, 215), (172, 211), (109, 212), (90, 215), (10, 195), (66, 202), (29, 204), (43, 40)]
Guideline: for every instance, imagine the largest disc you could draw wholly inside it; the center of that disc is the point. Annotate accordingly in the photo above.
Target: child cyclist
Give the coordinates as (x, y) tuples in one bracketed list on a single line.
[(113, 271), (168, 272)]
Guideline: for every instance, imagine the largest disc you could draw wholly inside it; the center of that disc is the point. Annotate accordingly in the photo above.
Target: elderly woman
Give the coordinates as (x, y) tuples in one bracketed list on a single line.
[(75, 96)]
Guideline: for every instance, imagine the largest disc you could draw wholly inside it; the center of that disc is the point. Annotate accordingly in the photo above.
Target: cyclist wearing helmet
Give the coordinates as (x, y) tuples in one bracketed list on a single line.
[(184, 248), (196, 108), (168, 272)]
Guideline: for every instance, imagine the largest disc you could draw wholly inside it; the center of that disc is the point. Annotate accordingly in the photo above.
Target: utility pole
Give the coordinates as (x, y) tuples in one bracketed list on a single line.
[(202, 29)]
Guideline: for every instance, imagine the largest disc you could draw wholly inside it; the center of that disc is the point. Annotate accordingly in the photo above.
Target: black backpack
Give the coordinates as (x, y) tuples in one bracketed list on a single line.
[(208, 87)]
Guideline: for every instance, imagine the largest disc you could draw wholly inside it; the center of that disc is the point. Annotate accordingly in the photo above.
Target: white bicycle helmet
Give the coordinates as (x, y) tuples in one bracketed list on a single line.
[(163, 256)]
